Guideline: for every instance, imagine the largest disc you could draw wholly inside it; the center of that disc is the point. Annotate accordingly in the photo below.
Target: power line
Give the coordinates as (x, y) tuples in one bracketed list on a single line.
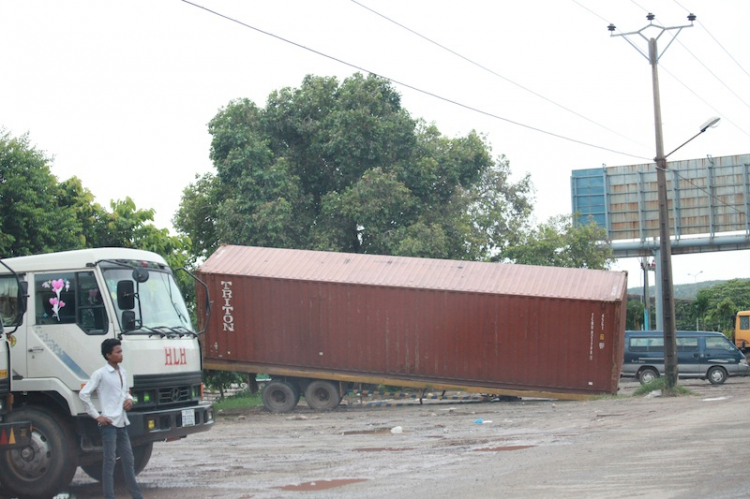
[(704, 101), (586, 8), (680, 81), (713, 74), (416, 89), (717, 41), (470, 61)]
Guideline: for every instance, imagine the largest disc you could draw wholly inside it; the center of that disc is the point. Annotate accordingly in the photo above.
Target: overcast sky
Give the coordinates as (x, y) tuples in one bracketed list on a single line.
[(119, 93)]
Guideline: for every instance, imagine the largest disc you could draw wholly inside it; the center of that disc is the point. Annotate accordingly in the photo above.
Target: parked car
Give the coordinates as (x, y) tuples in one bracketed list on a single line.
[(700, 354)]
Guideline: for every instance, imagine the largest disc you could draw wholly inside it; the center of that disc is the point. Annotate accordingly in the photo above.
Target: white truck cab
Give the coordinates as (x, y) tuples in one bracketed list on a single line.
[(75, 300)]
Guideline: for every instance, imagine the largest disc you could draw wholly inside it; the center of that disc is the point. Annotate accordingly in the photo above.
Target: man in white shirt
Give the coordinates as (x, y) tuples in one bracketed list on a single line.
[(110, 384)]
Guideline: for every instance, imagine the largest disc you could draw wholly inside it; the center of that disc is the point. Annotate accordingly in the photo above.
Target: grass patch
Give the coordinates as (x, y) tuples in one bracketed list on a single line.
[(242, 400), (659, 384)]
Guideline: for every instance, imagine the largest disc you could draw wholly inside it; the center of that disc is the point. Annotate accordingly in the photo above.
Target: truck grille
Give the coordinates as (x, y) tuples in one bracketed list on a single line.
[(176, 394), (162, 390)]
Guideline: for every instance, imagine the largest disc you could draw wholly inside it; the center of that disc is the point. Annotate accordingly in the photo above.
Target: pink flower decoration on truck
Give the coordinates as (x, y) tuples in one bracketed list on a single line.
[(57, 286)]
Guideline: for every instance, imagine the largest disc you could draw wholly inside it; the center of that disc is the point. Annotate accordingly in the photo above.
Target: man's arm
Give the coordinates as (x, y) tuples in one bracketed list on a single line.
[(85, 396)]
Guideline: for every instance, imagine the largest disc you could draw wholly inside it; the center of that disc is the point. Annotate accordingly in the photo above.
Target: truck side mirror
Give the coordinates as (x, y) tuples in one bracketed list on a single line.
[(23, 295), (125, 295), (128, 321), (140, 274)]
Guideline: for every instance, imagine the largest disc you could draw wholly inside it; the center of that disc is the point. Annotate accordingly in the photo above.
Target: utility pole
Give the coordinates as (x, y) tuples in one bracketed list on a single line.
[(647, 267), (665, 247)]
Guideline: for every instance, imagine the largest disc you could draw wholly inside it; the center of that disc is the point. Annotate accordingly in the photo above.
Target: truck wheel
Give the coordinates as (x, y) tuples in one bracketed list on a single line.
[(716, 375), (280, 396), (647, 374), (322, 395), (48, 464), (141, 456)]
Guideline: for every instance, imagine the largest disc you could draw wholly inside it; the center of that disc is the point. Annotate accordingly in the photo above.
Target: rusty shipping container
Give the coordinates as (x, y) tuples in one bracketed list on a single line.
[(302, 316)]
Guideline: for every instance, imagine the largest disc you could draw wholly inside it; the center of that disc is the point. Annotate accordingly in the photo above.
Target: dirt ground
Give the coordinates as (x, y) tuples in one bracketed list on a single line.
[(685, 447)]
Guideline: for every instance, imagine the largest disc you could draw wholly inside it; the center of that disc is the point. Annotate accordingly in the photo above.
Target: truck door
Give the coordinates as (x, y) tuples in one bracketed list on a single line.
[(69, 324), (13, 337)]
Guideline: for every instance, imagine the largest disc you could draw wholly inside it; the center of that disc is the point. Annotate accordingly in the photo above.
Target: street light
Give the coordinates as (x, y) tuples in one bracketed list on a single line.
[(665, 247)]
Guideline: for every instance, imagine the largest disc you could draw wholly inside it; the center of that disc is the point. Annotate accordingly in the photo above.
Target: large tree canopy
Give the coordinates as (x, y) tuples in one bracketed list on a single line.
[(562, 243), (35, 213), (38, 214), (344, 167)]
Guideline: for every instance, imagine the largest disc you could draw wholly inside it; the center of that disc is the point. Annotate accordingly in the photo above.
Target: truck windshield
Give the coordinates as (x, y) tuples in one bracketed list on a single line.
[(159, 307)]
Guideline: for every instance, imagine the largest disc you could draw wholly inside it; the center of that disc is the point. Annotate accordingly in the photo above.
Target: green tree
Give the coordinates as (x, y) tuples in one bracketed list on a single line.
[(716, 306), (635, 315), (344, 167), (35, 216), (562, 243)]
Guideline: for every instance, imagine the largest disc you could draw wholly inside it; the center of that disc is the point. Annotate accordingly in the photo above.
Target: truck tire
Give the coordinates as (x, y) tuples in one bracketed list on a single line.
[(716, 375), (45, 467), (322, 395), (141, 456), (280, 396)]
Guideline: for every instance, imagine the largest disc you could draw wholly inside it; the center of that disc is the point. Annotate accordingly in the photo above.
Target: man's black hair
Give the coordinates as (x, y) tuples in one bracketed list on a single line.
[(108, 345)]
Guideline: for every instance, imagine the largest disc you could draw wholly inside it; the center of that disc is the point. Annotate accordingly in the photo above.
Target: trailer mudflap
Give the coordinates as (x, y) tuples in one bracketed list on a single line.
[(14, 435)]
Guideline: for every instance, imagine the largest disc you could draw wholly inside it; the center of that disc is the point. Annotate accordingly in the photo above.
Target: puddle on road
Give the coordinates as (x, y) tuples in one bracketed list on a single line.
[(321, 484), (504, 448)]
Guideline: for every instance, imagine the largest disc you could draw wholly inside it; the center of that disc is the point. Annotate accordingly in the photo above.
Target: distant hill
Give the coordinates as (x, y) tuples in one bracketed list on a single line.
[(681, 291)]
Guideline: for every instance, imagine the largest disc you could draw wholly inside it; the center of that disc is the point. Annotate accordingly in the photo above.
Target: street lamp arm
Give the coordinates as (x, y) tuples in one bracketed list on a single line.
[(709, 124), (683, 144)]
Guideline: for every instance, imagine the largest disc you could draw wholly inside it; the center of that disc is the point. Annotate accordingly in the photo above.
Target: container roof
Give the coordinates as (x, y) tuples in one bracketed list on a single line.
[(422, 273)]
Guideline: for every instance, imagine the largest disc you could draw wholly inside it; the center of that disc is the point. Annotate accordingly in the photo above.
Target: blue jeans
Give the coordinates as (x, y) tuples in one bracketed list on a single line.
[(117, 441)]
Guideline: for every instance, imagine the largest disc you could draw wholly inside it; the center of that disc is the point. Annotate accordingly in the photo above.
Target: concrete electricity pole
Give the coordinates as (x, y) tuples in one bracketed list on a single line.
[(665, 247)]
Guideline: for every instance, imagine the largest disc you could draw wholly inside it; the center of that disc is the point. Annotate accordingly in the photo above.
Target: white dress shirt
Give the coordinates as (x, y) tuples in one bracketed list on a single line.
[(111, 386)]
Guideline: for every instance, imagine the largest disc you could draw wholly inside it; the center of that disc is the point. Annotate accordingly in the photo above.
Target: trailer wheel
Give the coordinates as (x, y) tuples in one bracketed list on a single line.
[(280, 396), (141, 456), (716, 375), (48, 464), (322, 395), (647, 374)]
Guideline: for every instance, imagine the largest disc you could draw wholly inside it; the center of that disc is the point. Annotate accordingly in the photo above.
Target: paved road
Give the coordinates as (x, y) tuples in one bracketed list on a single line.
[(684, 447)]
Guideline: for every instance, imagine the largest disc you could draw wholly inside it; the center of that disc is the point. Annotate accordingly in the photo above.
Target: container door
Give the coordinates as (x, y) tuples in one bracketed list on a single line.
[(68, 326), (689, 355)]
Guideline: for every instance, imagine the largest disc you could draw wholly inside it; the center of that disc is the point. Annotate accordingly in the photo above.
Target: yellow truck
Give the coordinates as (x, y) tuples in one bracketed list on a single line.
[(742, 330)]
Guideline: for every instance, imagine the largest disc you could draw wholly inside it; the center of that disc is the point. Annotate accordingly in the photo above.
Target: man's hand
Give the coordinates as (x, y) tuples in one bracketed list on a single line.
[(103, 421), (127, 405)]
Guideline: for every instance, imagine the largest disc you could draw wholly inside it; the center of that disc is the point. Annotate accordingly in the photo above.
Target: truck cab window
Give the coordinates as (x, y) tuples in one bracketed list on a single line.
[(92, 316), (70, 298)]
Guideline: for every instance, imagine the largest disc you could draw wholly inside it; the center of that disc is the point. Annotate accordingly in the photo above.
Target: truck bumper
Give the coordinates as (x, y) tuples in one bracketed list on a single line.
[(170, 424)]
